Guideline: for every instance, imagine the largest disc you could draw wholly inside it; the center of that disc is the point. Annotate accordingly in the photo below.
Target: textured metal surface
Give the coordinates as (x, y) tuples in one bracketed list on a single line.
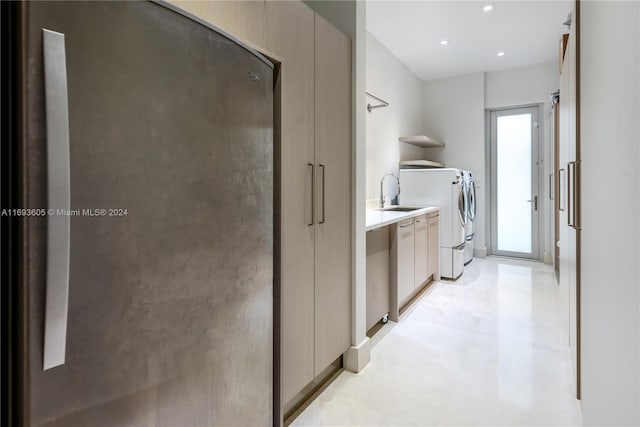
[(58, 192), (170, 306)]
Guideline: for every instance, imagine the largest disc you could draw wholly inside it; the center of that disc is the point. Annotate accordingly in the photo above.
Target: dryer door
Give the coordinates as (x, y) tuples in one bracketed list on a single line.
[(459, 189), (471, 198)]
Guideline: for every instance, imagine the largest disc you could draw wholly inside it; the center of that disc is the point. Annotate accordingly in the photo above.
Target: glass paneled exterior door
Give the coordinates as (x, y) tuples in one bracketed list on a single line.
[(514, 182)]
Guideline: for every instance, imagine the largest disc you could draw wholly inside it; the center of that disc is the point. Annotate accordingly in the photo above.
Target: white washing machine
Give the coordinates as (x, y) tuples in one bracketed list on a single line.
[(470, 191), (443, 188)]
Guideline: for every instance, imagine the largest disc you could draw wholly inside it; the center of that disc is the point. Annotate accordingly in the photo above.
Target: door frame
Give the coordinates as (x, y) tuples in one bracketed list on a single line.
[(490, 207)]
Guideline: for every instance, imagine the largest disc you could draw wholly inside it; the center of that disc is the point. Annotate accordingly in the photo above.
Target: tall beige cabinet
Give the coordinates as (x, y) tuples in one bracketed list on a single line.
[(315, 79), (291, 35), (333, 194), (569, 202)]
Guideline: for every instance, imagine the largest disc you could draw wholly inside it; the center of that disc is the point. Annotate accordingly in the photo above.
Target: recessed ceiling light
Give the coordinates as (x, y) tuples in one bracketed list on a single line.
[(444, 42), (488, 8), (500, 53)]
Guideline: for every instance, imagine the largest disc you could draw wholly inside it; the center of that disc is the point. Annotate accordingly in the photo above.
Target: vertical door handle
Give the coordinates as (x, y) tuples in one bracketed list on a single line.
[(550, 186), (313, 195), (59, 195), (573, 217), (320, 165), (577, 219), (570, 198), (561, 206), (535, 202)]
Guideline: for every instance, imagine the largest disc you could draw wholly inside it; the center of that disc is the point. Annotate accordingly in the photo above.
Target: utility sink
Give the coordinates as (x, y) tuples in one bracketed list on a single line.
[(400, 209)]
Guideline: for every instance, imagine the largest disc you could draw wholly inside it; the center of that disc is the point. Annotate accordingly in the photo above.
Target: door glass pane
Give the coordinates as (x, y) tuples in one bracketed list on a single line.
[(514, 213)]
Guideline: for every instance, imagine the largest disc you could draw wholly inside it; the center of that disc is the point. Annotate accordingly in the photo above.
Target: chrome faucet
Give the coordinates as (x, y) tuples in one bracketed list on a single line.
[(382, 188)]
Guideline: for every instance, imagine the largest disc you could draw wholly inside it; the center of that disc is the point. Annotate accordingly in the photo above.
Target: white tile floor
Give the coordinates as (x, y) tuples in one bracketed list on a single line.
[(484, 350)]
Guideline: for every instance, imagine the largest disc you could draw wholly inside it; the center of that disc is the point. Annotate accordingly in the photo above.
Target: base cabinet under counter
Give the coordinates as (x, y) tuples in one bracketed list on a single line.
[(433, 245), (377, 275), (402, 258)]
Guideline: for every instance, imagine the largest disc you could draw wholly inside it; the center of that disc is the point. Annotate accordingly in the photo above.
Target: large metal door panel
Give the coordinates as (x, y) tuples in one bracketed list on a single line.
[(170, 292)]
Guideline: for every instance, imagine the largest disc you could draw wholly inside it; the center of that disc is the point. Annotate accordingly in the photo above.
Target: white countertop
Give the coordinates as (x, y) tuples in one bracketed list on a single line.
[(377, 218)]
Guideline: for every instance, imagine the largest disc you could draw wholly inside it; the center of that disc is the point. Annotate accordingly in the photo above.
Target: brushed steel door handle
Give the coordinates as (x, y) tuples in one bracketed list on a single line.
[(561, 206), (313, 195), (577, 221), (320, 165), (572, 190), (570, 196), (535, 202), (59, 197)]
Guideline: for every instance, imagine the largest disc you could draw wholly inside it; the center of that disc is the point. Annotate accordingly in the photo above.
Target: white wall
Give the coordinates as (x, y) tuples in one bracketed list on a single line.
[(610, 136), (454, 113), (391, 80), (521, 86), (524, 86)]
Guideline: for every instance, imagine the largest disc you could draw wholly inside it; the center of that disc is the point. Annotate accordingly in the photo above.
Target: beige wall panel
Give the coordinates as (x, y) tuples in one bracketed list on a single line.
[(243, 19)]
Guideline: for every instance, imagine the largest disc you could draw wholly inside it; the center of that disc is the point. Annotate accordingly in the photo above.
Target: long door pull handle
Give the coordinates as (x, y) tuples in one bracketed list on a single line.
[(561, 173), (313, 195), (577, 220), (59, 195), (572, 217), (320, 165)]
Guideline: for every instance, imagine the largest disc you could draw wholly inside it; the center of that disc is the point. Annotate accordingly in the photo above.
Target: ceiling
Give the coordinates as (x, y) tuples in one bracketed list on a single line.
[(528, 32)]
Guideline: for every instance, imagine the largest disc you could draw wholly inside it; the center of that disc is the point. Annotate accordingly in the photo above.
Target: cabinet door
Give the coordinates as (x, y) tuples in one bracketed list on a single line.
[(569, 253), (333, 193), (290, 36), (433, 246), (405, 260), (420, 252), (377, 275)]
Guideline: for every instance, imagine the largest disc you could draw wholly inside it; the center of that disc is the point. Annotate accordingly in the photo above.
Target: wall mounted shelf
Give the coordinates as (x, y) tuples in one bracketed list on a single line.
[(422, 141), (420, 164)]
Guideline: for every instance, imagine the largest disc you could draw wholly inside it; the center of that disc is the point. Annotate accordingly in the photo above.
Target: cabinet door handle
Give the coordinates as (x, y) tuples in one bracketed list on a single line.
[(406, 225), (569, 195), (59, 197), (550, 186), (577, 221), (572, 217), (313, 195), (561, 206), (320, 165)]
